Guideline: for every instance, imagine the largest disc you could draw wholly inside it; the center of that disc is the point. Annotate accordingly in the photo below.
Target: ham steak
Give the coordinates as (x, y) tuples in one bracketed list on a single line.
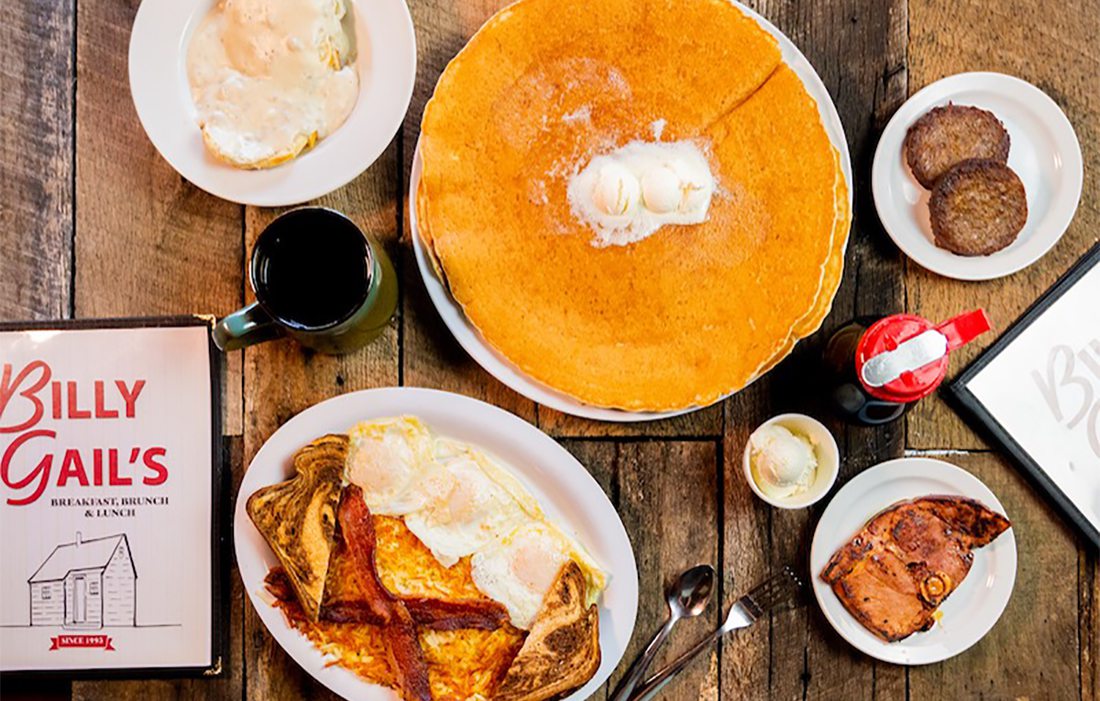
[(894, 574)]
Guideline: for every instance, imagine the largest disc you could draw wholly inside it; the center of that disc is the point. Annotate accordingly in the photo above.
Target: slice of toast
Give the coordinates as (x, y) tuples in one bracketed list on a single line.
[(298, 517), (562, 651)]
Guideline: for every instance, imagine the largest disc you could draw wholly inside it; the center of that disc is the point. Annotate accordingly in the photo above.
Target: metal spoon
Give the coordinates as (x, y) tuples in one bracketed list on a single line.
[(687, 598)]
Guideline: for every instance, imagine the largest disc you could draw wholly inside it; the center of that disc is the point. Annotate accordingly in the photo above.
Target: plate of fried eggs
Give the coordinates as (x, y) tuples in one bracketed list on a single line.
[(271, 102), (469, 503)]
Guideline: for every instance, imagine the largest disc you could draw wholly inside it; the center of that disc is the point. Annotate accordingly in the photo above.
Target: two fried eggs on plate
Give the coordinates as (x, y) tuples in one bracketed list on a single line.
[(459, 502)]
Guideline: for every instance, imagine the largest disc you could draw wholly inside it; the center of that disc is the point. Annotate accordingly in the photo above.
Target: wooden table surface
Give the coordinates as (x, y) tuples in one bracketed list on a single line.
[(93, 223)]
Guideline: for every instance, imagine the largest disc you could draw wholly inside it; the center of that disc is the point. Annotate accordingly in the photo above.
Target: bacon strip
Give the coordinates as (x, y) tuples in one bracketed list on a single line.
[(457, 615), (403, 642), (350, 612)]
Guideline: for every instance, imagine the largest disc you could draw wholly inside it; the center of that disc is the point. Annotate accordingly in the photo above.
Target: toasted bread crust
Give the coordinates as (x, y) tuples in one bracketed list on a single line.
[(978, 208), (297, 517), (562, 651), (946, 136)]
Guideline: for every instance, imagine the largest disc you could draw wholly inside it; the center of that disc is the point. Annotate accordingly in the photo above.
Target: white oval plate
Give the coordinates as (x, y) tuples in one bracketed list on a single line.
[(969, 613), (567, 492), (511, 375), (1044, 153), (386, 61)]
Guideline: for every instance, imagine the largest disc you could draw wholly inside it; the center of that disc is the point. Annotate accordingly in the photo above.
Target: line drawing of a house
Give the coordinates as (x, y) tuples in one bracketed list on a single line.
[(86, 585)]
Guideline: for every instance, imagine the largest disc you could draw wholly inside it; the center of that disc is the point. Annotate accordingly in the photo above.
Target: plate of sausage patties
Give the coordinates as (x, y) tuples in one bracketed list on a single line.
[(977, 176), (913, 561), (413, 544)]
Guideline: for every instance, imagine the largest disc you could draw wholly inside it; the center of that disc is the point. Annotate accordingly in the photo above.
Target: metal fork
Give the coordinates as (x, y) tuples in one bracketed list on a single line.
[(764, 598)]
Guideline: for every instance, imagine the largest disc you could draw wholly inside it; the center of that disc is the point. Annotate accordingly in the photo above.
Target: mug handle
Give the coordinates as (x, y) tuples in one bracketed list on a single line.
[(245, 327)]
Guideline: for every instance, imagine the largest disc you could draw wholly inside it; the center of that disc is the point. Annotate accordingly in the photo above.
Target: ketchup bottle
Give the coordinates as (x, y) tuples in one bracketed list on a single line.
[(879, 368)]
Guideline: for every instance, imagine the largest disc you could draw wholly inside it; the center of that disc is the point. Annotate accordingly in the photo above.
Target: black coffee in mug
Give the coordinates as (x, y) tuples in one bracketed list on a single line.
[(319, 279), (312, 269)]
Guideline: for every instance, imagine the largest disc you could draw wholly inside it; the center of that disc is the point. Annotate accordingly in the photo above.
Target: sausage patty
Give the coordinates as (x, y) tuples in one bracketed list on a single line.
[(945, 136), (977, 208)]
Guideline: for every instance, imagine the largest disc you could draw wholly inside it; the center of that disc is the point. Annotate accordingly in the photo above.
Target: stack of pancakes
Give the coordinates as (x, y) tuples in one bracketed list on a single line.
[(691, 313)]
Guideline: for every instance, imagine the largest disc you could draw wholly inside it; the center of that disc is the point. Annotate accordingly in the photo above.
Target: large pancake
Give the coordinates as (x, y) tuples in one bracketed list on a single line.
[(692, 312), (834, 271)]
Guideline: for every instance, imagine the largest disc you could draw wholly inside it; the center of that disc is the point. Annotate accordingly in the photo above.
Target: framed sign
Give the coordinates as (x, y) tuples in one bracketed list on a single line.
[(1036, 392), (111, 466)]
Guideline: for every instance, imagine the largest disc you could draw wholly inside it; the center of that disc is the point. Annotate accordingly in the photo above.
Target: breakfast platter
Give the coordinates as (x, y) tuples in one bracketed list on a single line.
[(552, 478), (549, 349)]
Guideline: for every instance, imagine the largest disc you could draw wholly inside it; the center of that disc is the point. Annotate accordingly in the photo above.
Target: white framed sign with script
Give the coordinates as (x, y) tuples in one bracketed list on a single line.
[(110, 462), (1036, 391)]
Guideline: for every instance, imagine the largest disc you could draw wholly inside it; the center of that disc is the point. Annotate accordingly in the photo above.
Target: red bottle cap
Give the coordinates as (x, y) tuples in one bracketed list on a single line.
[(903, 358)]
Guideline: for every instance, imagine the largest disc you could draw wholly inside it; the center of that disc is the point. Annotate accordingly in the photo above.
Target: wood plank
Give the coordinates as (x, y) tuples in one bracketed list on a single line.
[(1053, 46), (36, 159), (667, 494), (282, 379), (1089, 622), (858, 48), (431, 356), (147, 242), (1032, 652), (703, 423)]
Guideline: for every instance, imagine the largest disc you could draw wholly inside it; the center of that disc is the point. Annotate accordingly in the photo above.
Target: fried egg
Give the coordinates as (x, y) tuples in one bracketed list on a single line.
[(391, 460), (519, 570), (461, 503), (465, 509)]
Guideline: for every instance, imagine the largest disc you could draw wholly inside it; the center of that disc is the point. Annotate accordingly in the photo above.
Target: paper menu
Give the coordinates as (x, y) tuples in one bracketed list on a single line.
[(1043, 389), (106, 511)]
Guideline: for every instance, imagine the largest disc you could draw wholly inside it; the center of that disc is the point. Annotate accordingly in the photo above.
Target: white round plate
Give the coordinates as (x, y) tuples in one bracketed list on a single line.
[(511, 375), (386, 61), (564, 488), (1044, 153), (969, 613)]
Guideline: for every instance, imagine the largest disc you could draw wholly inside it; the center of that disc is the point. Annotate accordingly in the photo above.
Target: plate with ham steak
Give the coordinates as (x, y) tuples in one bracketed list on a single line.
[(913, 561)]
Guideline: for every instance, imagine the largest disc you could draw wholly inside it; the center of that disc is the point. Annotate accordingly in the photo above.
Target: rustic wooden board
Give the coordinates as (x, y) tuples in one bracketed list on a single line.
[(36, 159), (1032, 651), (675, 484), (1053, 46), (1089, 623), (82, 183)]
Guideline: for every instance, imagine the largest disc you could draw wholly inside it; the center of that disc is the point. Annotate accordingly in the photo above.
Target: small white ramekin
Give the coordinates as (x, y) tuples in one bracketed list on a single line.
[(828, 460)]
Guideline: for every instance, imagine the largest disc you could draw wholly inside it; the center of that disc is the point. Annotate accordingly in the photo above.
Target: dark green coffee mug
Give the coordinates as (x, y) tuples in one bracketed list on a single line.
[(318, 279)]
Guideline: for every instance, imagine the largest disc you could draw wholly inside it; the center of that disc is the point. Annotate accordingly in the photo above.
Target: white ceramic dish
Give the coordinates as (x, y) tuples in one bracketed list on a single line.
[(969, 613), (1044, 153), (508, 373), (566, 491), (825, 450), (386, 61)]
